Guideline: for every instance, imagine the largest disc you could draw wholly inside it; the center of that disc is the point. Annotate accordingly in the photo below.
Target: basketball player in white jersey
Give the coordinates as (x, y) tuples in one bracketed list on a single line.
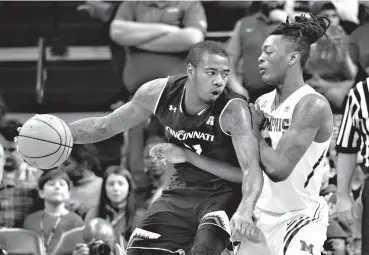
[(294, 124)]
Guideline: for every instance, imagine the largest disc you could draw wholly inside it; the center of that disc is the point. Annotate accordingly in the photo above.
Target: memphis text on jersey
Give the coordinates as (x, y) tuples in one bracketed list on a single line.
[(182, 135), (276, 124)]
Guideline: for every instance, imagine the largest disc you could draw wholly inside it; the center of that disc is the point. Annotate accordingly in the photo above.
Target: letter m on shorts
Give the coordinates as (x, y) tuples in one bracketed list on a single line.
[(304, 247)]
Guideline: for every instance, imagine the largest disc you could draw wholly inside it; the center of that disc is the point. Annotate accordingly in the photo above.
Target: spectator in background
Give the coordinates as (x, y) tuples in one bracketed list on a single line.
[(156, 32), (3, 109), (105, 11), (118, 203), (85, 192), (233, 10), (96, 231), (359, 41), (15, 167), (348, 12), (18, 188), (353, 138), (101, 10), (2, 163), (157, 36), (51, 222), (330, 66), (244, 49), (336, 235), (357, 183)]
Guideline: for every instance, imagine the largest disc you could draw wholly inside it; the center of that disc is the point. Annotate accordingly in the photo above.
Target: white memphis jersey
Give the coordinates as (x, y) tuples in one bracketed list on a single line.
[(301, 189)]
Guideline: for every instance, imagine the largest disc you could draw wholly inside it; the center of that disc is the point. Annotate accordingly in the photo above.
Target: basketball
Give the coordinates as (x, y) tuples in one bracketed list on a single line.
[(45, 141)]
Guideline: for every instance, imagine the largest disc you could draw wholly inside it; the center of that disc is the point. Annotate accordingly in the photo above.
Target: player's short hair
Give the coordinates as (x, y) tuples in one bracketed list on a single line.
[(302, 33), (55, 173), (198, 50)]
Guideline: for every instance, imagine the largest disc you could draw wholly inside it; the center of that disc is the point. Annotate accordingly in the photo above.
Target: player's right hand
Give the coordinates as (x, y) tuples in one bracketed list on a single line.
[(242, 226), (257, 116), (81, 249), (344, 208)]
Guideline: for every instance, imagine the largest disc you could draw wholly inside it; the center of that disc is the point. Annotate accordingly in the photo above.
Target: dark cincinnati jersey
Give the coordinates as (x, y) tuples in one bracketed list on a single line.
[(201, 133)]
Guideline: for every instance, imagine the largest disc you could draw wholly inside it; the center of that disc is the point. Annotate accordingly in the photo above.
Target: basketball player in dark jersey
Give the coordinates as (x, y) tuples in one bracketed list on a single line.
[(208, 122)]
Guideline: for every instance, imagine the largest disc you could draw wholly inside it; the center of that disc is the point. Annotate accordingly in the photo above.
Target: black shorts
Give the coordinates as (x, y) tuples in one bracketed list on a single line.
[(172, 221)]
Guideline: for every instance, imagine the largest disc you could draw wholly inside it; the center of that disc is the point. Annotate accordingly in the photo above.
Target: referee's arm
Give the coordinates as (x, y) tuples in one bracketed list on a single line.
[(347, 149)]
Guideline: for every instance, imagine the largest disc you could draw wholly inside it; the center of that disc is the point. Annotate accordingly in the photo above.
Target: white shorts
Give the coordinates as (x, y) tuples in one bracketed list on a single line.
[(301, 232)]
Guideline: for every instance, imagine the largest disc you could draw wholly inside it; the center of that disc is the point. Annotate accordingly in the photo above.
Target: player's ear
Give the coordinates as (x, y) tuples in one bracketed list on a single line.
[(294, 58), (190, 71)]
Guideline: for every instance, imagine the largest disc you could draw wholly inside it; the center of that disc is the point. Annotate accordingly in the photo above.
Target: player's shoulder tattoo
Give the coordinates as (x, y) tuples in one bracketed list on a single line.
[(149, 93)]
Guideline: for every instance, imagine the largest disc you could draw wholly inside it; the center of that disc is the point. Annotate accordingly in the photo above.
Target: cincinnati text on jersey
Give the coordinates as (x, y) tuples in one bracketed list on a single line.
[(182, 135), (276, 124)]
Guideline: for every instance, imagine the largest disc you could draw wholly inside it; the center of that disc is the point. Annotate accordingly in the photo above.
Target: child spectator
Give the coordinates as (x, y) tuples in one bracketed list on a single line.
[(51, 222), (83, 168)]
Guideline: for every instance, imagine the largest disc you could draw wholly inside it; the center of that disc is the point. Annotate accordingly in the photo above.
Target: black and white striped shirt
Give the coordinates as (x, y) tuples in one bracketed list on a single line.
[(353, 136)]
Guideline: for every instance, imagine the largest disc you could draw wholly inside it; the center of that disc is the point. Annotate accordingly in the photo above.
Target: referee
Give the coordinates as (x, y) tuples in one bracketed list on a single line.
[(353, 138)]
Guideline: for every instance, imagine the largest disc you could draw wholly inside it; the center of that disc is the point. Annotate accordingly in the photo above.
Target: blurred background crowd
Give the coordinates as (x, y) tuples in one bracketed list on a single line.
[(78, 59)]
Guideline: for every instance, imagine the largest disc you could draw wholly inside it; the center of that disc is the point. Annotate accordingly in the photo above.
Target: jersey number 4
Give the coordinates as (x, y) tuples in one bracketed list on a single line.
[(196, 147)]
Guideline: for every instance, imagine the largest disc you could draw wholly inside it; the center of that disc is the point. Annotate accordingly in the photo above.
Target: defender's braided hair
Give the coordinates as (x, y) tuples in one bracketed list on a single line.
[(302, 33)]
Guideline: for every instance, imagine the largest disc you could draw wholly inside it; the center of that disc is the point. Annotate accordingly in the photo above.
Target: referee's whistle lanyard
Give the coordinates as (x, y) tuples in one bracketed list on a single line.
[(43, 235)]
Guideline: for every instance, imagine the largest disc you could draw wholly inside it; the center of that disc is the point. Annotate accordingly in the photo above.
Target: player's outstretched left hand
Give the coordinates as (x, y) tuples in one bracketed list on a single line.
[(163, 153), (242, 226)]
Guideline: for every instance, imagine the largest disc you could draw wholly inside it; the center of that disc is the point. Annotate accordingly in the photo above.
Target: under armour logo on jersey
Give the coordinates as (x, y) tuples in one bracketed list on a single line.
[(286, 109), (210, 121), (171, 108)]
